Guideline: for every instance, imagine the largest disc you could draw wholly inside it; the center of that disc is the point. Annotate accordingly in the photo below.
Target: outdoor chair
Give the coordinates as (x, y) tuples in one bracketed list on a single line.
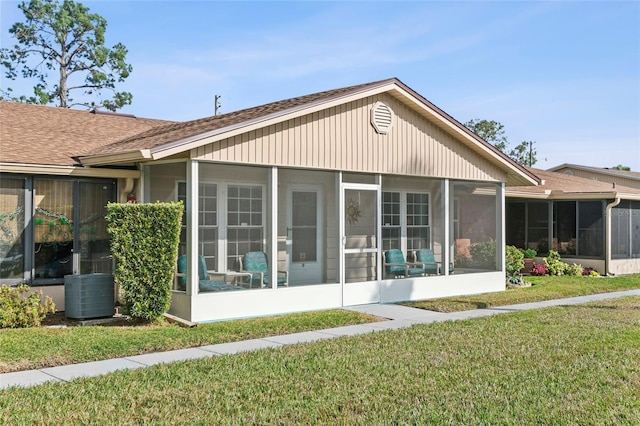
[(396, 266), (207, 283), (426, 258), (257, 263)]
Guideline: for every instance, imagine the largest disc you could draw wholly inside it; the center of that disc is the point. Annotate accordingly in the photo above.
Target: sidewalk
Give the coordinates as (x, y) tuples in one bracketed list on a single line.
[(398, 317)]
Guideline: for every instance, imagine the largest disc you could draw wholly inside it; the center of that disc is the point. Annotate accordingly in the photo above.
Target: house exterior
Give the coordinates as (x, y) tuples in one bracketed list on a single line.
[(625, 178), (322, 184), (588, 221)]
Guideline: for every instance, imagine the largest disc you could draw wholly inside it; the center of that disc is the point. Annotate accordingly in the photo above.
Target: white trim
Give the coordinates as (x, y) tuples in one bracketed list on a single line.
[(272, 230), (193, 177), (448, 254), (124, 157), (369, 291), (38, 169)]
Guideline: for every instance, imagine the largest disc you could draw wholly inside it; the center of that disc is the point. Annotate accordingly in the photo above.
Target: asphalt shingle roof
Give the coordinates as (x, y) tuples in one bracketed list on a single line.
[(35, 134), (555, 181), (173, 132)]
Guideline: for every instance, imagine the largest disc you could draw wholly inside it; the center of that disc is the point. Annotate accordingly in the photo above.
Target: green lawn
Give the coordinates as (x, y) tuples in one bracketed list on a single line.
[(24, 349), (565, 365), (544, 288), (29, 348)]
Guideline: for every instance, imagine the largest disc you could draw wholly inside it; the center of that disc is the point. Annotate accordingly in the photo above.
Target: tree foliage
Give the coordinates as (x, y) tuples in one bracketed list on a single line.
[(67, 40), (621, 167), (493, 132)]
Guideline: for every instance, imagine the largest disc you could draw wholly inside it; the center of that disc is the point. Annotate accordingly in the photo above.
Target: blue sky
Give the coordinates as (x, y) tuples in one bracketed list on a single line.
[(563, 74)]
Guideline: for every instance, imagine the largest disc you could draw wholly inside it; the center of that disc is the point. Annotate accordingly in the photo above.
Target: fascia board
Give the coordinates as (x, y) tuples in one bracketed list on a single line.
[(37, 169), (124, 157), (523, 194)]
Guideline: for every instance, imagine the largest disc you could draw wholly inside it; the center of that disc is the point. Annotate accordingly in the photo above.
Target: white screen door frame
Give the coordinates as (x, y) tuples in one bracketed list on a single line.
[(368, 251), (305, 267)]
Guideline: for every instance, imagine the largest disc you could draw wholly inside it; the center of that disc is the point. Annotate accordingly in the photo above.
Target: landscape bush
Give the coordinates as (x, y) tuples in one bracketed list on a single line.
[(555, 266), (529, 253), (20, 307), (144, 244), (513, 260), (588, 271), (573, 270), (539, 270)]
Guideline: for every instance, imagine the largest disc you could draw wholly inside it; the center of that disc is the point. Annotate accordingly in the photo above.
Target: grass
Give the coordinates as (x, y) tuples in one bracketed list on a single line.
[(30, 348), (25, 349), (544, 288), (564, 365)]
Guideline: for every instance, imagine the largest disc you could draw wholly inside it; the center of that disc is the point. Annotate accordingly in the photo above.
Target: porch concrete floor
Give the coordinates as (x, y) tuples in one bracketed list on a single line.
[(398, 317)]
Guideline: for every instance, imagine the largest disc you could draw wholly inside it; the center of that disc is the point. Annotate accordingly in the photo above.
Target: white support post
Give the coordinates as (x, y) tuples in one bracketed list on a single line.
[(341, 236), (446, 248), (379, 261), (191, 210), (500, 226), (273, 228)]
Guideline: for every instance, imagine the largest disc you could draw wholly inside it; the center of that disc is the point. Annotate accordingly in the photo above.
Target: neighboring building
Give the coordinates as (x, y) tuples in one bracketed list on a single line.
[(323, 184), (51, 207), (588, 222), (626, 178)]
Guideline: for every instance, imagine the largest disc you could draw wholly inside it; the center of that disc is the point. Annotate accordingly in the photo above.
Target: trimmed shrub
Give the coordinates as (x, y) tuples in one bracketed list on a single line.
[(513, 260), (144, 244), (530, 253), (20, 307)]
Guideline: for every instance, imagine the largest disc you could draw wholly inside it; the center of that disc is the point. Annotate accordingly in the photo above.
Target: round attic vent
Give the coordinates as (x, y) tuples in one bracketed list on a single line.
[(568, 172), (381, 117)]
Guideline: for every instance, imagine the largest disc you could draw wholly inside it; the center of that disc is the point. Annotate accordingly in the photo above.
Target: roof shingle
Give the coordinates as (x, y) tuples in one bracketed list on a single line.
[(36, 134)]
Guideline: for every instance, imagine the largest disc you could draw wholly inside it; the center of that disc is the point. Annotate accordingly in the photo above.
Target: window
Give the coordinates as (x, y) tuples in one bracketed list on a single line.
[(207, 222), (390, 220), (418, 232), (407, 220), (244, 222), (12, 214)]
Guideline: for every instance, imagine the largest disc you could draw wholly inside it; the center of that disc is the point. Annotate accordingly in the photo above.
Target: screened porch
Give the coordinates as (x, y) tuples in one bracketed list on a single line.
[(323, 237)]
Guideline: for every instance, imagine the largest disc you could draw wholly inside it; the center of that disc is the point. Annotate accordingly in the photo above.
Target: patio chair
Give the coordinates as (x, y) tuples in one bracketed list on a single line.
[(257, 263), (426, 258), (207, 283), (396, 266)]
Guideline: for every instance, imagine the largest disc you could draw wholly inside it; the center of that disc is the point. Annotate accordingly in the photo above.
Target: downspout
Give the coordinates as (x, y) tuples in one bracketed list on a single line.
[(607, 216)]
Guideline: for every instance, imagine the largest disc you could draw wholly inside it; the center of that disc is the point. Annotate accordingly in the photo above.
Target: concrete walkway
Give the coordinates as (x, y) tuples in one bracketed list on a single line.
[(398, 317)]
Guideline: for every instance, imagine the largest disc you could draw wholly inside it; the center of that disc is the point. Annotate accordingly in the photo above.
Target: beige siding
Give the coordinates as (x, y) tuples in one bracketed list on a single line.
[(601, 177), (342, 138)]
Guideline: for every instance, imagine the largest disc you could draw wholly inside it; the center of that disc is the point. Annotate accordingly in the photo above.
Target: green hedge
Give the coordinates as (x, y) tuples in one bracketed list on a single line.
[(144, 244)]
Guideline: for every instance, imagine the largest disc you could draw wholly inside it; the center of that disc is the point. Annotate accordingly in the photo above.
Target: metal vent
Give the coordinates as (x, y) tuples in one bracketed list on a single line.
[(381, 117)]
